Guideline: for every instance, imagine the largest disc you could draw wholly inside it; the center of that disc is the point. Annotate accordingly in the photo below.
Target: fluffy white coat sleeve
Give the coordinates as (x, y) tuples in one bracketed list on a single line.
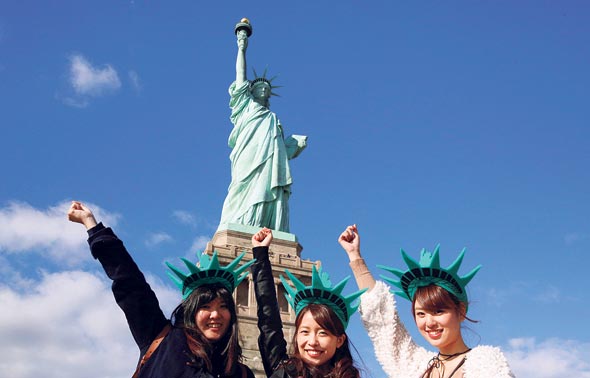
[(396, 351)]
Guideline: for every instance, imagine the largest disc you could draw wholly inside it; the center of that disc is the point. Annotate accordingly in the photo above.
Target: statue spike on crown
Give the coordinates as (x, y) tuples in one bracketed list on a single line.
[(207, 272), (429, 272), (321, 291), (263, 79)]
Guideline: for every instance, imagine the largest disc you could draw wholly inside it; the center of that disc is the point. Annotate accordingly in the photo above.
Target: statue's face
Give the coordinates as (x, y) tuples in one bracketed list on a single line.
[(261, 91)]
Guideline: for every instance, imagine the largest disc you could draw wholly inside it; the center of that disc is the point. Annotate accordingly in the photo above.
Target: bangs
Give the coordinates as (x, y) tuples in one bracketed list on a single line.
[(208, 293), (324, 316), (432, 298)]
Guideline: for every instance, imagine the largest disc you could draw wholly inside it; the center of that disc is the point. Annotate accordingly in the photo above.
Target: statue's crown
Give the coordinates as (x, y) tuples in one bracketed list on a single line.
[(321, 292), (263, 79), (208, 271), (429, 272)]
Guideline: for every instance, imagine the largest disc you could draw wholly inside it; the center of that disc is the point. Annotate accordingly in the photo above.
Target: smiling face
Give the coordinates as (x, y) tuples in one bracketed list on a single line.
[(441, 328), (213, 319), (316, 345), (438, 317)]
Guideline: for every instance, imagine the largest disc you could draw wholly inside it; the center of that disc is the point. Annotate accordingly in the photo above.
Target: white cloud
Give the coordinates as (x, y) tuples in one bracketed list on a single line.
[(135, 81), (168, 296), (10, 274), (92, 81), (61, 324), (551, 358), (184, 217), (69, 324), (157, 238), (26, 229)]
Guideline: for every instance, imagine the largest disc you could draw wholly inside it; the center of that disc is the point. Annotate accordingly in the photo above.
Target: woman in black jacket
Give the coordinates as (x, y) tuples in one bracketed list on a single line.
[(201, 339), (320, 347)]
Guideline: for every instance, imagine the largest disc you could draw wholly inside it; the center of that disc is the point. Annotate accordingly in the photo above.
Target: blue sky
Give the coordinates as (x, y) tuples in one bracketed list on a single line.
[(464, 124)]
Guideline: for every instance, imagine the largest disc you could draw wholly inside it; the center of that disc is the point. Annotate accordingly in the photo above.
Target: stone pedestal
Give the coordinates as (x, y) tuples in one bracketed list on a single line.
[(285, 253)]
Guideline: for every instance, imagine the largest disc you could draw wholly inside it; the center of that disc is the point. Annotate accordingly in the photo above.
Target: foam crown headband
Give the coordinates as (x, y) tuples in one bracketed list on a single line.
[(429, 272), (321, 292), (209, 272)]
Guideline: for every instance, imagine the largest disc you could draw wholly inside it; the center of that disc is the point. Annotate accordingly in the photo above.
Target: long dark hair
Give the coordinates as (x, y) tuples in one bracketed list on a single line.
[(228, 347), (341, 365)]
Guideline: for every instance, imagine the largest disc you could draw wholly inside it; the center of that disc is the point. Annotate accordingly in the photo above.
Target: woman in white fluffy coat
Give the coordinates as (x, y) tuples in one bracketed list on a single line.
[(396, 351)]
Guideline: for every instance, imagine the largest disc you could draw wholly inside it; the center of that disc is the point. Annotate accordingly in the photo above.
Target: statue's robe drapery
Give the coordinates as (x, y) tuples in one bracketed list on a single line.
[(260, 176)]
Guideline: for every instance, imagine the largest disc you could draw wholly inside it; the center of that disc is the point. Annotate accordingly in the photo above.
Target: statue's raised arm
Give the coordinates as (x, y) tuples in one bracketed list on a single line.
[(261, 178)]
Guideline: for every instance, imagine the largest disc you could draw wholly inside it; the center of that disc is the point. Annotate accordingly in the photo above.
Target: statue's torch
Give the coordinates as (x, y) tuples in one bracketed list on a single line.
[(244, 24)]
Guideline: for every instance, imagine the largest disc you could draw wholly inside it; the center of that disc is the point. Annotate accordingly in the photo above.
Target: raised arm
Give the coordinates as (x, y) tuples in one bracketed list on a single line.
[(271, 342), (241, 58), (132, 293), (351, 243), (397, 353)]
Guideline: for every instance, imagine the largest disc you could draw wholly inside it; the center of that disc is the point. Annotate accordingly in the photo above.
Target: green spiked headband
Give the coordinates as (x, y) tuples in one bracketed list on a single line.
[(321, 292), (209, 272), (429, 272)]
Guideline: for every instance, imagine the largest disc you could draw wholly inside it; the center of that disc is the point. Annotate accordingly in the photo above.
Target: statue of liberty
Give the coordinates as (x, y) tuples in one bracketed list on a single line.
[(260, 187)]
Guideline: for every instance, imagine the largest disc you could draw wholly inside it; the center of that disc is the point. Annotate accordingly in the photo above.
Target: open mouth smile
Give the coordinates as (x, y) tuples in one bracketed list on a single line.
[(434, 334), (313, 352)]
